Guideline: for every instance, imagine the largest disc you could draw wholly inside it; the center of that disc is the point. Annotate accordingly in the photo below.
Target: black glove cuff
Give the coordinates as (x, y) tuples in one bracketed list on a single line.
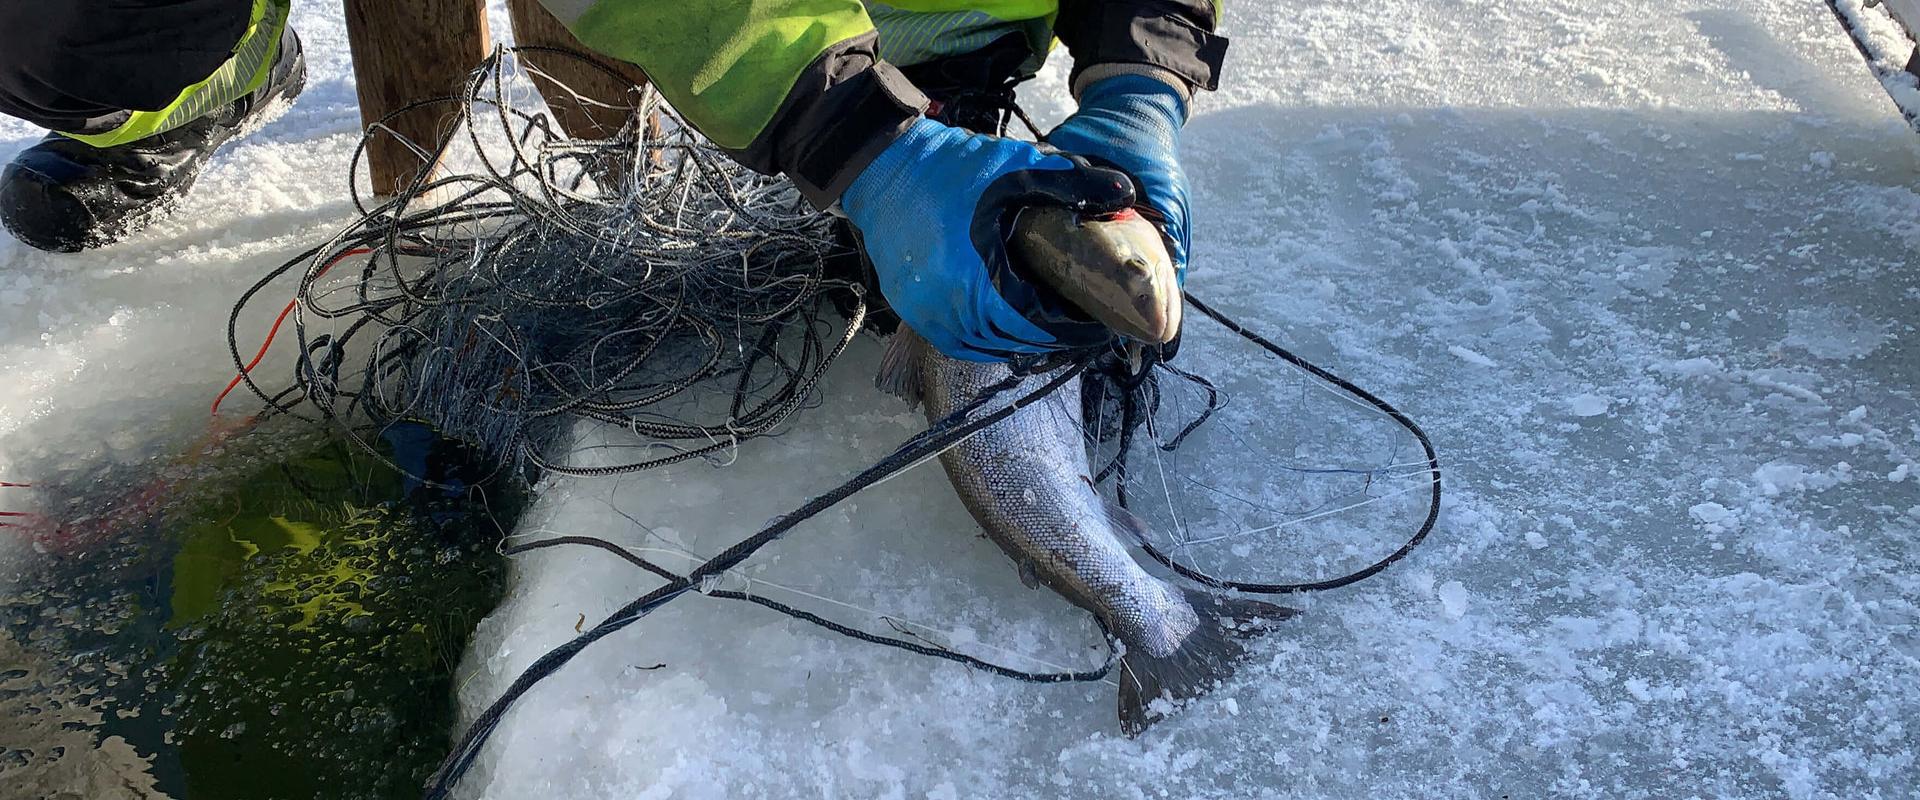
[(1174, 35), (842, 111)]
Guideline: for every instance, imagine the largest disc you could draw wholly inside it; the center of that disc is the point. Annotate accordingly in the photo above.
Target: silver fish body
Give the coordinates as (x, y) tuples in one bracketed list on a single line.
[(1025, 480)]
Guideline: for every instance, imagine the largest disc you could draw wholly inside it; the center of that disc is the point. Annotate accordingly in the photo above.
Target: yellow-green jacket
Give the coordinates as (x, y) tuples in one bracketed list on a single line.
[(810, 87)]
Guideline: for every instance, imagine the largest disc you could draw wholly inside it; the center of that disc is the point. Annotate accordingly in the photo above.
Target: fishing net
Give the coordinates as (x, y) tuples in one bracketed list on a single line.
[(642, 294), (548, 284), (1255, 469)]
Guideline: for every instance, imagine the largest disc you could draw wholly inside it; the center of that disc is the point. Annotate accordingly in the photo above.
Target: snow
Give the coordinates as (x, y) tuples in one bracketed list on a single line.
[(1588, 405), (1454, 600), (1710, 513), (1668, 565), (1471, 357)]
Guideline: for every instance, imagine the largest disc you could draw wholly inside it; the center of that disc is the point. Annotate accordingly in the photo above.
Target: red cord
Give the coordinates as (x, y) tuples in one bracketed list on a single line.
[(7, 485), (275, 331)]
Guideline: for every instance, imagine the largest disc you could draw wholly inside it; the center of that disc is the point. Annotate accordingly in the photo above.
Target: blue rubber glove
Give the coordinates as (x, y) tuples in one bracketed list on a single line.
[(1133, 122), (931, 211)]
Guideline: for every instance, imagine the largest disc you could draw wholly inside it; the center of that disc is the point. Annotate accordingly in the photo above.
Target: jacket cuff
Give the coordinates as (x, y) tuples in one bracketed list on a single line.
[(1095, 73), (1172, 35), (842, 111)]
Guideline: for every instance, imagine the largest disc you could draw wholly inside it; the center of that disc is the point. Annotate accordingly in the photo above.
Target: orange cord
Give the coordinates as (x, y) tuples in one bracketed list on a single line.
[(150, 495), (275, 331)]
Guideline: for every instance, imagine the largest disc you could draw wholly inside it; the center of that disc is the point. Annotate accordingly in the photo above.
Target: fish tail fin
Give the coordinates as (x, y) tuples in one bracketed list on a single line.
[(1208, 656)]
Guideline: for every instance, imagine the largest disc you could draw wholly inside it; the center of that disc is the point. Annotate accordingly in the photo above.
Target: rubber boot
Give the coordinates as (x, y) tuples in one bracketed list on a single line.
[(64, 195)]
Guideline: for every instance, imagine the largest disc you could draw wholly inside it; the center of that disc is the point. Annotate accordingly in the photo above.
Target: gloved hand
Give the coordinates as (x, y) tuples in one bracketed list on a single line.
[(931, 212), (1133, 122)]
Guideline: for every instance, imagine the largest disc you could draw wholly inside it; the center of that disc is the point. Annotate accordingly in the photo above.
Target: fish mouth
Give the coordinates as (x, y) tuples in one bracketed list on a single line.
[(1153, 315), (1146, 317), (1143, 331), (1159, 317)]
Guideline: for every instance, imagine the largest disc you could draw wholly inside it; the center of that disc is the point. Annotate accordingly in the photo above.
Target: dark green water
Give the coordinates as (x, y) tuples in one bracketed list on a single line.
[(290, 630)]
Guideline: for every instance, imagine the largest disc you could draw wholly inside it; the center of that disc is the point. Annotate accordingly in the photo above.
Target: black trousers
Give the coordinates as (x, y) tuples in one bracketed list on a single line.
[(78, 65)]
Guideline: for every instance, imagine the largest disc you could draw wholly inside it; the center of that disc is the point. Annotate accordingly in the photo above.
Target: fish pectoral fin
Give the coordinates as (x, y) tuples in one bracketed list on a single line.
[(1125, 521), (1029, 574), (900, 366)]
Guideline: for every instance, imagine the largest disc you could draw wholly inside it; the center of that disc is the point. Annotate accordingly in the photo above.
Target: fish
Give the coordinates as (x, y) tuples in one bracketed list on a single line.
[(1026, 481), (1114, 268)]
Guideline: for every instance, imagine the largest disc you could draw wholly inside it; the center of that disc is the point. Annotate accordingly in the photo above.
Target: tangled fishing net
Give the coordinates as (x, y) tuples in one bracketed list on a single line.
[(551, 290), (548, 290), (642, 281)]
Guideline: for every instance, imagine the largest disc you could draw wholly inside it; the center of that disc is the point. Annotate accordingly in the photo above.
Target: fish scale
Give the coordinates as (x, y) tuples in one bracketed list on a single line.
[(1025, 479), (1026, 482)]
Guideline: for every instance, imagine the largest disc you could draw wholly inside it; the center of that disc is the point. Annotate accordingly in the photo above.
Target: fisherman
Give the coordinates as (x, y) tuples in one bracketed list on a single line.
[(831, 93)]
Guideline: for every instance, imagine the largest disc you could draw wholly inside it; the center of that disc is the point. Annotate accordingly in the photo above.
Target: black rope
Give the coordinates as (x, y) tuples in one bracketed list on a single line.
[(1098, 673), (1113, 655), (497, 304), (396, 230), (938, 437), (935, 439), (1426, 446)]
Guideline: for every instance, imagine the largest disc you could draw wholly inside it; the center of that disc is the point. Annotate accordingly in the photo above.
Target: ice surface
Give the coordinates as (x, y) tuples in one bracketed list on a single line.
[(1471, 357), (1588, 405), (1703, 214)]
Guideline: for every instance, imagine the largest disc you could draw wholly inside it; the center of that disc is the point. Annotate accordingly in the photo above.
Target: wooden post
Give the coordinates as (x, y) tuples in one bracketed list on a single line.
[(587, 102), (405, 51)]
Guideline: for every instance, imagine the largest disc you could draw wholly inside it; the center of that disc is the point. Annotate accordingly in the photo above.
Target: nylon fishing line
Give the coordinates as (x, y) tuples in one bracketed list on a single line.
[(542, 285), (643, 281)]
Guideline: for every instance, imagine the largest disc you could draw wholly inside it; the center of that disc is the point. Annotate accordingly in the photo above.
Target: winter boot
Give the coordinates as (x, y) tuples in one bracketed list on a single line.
[(66, 195)]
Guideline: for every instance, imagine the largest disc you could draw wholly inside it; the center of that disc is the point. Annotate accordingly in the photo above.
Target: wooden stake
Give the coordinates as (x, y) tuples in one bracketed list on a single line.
[(586, 101), (405, 51)]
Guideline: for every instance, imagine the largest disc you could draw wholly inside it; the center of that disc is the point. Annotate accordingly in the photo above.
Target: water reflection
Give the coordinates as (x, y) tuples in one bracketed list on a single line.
[(281, 626)]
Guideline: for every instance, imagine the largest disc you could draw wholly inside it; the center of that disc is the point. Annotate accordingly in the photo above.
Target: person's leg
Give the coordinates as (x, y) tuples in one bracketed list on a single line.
[(140, 95), (79, 66)]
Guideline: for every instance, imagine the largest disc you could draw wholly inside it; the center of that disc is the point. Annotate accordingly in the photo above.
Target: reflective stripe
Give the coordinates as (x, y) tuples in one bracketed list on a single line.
[(245, 72), (916, 31)]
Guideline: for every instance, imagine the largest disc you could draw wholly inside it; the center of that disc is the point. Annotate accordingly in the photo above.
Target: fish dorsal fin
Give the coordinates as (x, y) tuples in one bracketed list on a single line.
[(900, 365), (1126, 522)]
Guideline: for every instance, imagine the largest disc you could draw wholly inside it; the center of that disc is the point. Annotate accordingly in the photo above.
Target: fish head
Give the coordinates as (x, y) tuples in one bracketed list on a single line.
[(1113, 268)]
